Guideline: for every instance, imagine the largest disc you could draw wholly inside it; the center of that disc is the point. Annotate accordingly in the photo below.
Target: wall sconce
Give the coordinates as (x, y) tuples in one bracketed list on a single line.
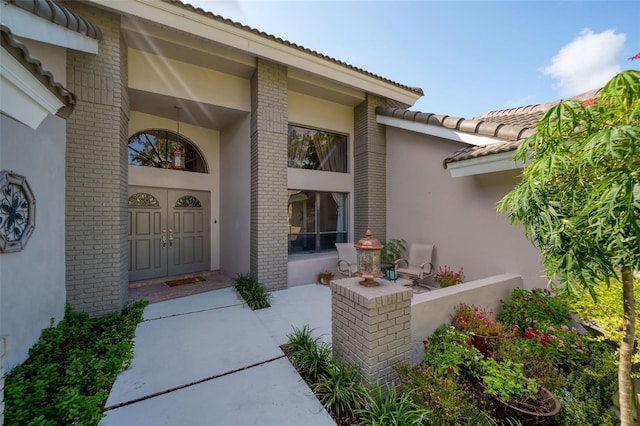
[(368, 251)]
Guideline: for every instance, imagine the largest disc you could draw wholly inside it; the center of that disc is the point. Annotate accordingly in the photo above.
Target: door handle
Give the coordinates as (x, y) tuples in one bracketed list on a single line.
[(170, 241), (164, 241)]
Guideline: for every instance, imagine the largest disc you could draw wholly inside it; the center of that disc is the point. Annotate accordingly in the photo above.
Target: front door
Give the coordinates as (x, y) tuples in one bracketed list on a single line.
[(168, 232)]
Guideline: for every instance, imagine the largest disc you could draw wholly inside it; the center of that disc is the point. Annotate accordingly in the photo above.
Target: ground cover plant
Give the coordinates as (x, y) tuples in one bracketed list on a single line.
[(71, 369), (252, 291)]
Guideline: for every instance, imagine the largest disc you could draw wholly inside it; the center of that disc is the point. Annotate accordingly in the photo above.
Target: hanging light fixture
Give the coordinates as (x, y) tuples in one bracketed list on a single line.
[(178, 153)]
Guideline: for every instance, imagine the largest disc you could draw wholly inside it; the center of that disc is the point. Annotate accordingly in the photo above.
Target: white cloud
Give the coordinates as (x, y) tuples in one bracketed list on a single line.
[(587, 62)]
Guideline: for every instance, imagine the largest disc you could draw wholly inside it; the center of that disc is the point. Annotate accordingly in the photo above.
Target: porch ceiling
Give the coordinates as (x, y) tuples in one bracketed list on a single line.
[(197, 113)]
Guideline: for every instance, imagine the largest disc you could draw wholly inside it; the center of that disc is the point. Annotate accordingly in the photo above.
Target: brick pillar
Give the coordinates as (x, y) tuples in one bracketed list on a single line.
[(269, 120), (371, 327), (370, 170), (96, 172)]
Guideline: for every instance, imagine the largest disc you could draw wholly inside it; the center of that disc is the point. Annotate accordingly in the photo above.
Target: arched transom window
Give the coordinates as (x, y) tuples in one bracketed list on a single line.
[(155, 148)]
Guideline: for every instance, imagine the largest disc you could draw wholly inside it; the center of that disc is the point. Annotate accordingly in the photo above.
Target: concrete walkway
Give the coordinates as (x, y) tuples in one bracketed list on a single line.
[(208, 359)]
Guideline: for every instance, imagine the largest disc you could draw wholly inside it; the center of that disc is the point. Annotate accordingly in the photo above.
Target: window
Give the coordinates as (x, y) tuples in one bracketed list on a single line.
[(155, 148), (317, 220), (317, 150)]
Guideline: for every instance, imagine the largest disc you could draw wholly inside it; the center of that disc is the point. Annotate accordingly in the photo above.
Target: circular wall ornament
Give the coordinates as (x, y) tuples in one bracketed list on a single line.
[(17, 212)]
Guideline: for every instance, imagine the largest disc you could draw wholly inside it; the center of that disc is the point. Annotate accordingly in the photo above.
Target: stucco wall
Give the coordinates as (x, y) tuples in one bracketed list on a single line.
[(235, 202), (431, 309), (208, 141), (458, 215), (32, 281)]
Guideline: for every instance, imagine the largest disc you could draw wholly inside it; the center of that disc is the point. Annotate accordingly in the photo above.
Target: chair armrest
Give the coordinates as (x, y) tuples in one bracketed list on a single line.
[(430, 270), (344, 270), (395, 264)]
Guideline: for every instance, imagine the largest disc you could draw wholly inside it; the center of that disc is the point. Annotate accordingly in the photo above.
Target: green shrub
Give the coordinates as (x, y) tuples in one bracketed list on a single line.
[(586, 393), (391, 409), (310, 356), (252, 292), (449, 402), (506, 381), (528, 308), (450, 351), (606, 312), (71, 369), (340, 391)]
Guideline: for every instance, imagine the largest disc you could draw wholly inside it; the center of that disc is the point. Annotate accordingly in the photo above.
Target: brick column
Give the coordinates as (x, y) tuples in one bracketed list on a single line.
[(96, 172), (370, 170), (269, 120), (371, 327)]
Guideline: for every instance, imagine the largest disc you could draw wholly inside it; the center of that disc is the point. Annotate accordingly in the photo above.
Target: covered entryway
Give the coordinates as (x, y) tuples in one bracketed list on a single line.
[(168, 232)]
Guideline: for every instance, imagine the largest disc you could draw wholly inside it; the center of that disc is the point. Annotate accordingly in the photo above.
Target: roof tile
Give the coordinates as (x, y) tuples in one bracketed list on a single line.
[(59, 15)]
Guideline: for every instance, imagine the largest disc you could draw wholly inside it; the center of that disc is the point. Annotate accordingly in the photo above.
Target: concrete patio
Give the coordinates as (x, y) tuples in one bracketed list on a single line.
[(208, 359)]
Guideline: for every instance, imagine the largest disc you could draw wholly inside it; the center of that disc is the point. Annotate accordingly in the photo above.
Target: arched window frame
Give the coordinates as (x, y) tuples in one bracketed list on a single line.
[(162, 156)]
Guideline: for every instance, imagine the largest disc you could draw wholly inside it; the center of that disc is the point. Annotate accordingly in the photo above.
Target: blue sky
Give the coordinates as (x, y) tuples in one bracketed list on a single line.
[(469, 57)]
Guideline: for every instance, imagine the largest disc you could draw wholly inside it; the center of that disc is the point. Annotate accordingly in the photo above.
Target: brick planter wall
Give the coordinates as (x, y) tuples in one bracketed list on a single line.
[(371, 327)]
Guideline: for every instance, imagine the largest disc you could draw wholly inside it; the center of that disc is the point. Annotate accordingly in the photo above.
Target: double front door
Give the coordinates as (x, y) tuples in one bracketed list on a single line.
[(168, 232)]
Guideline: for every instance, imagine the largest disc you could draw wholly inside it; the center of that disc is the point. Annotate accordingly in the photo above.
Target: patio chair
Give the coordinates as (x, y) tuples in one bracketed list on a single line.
[(419, 265), (347, 259)]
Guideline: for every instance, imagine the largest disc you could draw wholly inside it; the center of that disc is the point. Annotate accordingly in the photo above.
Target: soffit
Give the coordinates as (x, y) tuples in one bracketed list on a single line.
[(186, 22), (20, 52)]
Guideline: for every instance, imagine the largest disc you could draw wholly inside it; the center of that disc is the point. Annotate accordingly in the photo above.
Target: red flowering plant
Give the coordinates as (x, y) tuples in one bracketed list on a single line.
[(446, 277), (526, 308), (564, 346), (479, 321)]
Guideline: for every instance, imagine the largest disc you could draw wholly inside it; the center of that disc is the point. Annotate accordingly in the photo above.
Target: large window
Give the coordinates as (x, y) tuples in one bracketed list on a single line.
[(317, 150), (317, 220), (155, 148)]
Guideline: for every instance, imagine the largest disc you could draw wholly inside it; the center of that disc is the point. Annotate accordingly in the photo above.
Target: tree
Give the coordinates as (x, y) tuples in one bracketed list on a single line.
[(579, 200)]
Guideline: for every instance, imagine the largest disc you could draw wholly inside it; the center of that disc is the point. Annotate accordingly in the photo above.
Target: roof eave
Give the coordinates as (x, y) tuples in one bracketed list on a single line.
[(482, 165), (438, 131), (208, 26)]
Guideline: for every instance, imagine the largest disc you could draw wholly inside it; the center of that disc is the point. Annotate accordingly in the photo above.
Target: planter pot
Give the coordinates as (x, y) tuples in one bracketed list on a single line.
[(484, 344), (538, 413)]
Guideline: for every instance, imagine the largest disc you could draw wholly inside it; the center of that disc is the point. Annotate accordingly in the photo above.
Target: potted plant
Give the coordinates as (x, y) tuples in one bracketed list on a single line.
[(392, 250), (520, 399), (446, 277), (485, 330), (325, 277)]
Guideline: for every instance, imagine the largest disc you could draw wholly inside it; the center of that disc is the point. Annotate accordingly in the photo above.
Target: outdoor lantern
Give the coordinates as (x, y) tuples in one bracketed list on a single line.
[(178, 158), (368, 251), (392, 274)]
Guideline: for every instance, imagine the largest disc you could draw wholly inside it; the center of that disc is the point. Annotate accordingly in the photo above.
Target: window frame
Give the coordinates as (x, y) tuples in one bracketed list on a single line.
[(347, 152)]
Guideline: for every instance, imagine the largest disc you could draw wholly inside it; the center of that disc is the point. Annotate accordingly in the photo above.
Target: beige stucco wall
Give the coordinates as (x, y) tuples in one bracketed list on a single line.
[(32, 281), (235, 196), (208, 141), (458, 215)]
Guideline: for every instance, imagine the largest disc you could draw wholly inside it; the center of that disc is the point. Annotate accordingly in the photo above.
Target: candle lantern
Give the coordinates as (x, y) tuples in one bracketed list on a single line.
[(178, 158), (368, 251)]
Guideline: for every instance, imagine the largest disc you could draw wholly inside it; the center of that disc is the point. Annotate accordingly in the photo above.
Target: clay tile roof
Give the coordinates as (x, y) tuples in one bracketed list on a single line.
[(60, 15), (510, 125), (20, 52), (287, 43)]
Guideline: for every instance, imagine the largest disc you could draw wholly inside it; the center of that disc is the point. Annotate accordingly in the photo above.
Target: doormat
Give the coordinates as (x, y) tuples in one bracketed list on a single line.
[(184, 281)]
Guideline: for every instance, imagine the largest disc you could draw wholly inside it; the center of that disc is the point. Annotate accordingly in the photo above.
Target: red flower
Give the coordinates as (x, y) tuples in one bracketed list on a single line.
[(589, 102), (636, 56)]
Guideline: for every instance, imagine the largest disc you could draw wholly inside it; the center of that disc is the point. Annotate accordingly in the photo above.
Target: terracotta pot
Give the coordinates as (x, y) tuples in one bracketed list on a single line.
[(484, 344), (539, 413)]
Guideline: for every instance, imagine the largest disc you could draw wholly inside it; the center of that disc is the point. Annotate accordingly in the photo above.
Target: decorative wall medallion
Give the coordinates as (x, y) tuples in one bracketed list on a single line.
[(188, 201), (17, 212)]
